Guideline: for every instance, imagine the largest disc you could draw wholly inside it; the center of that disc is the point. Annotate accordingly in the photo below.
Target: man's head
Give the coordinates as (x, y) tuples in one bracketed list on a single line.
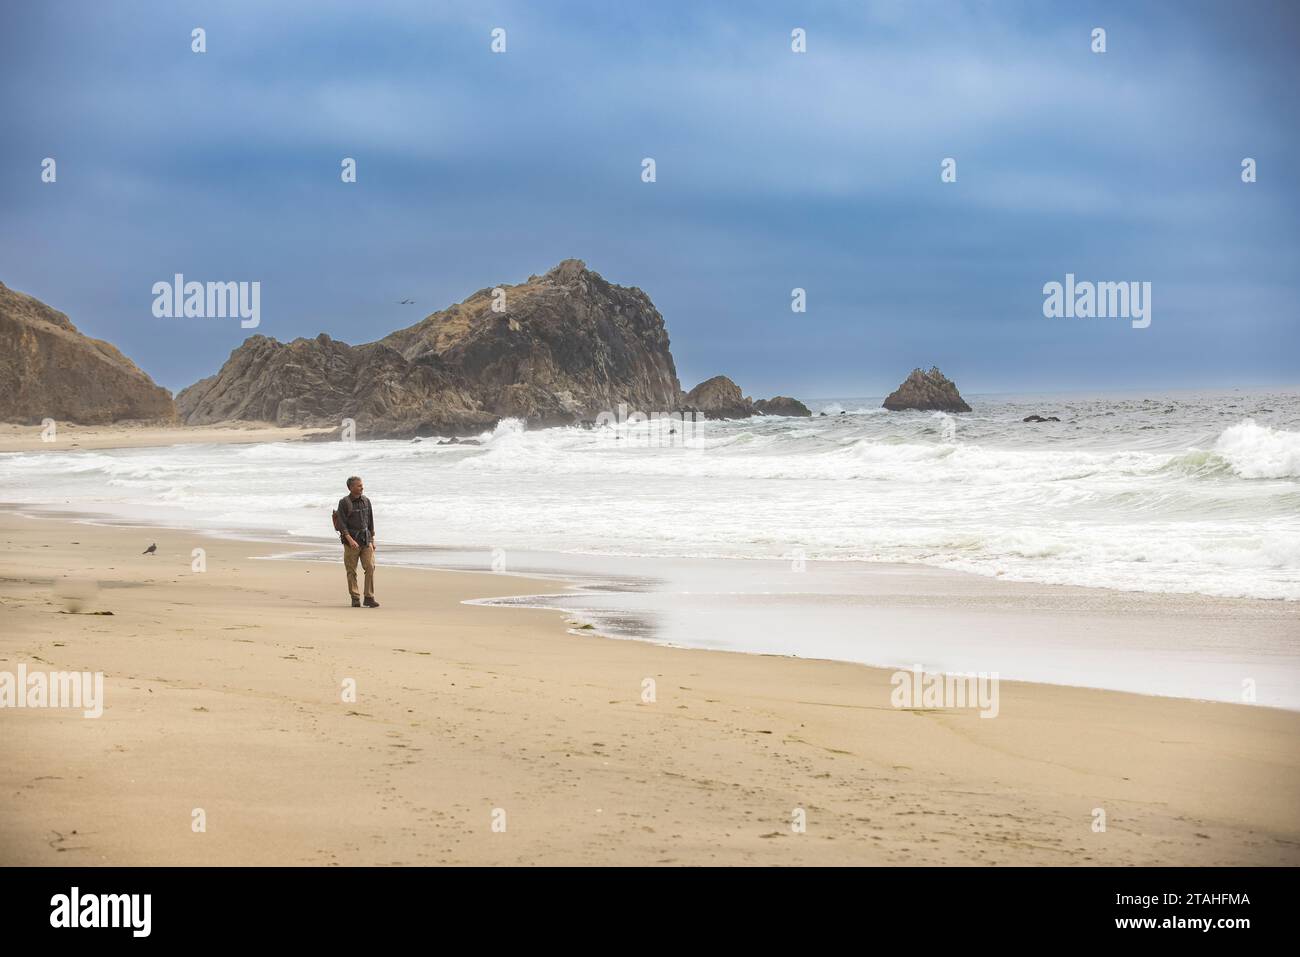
[(354, 486)]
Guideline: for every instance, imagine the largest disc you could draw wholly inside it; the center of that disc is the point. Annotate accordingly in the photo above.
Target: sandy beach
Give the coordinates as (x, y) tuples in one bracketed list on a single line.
[(68, 436), (223, 693), (860, 435)]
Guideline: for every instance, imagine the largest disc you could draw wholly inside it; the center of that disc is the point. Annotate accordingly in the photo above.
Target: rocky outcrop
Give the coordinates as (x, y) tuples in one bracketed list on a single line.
[(556, 349), (563, 346), (50, 370), (928, 392), (1039, 418), (718, 398), (319, 382), (781, 405)]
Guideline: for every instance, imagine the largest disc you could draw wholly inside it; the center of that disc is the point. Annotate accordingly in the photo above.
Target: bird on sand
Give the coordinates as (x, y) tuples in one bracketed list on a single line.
[(151, 549)]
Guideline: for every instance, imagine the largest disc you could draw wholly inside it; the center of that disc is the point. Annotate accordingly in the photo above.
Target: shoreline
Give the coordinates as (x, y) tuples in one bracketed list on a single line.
[(1268, 583), (624, 607), (222, 695)]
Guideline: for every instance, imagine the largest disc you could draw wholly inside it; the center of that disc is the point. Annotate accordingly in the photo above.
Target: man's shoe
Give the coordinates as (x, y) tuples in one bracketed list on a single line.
[(356, 603), (371, 603)]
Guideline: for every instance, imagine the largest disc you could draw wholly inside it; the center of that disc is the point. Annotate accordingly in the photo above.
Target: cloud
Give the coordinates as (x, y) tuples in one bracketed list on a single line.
[(775, 169)]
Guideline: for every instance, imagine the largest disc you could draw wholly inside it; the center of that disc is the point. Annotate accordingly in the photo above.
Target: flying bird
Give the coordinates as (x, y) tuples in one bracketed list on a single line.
[(407, 302), (151, 549)]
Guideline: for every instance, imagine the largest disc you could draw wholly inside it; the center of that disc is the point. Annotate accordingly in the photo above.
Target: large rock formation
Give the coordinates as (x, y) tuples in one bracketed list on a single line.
[(927, 391), (562, 347), (319, 382), (565, 345), (558, 349), (781, 405), (718, 398), (49, 369)]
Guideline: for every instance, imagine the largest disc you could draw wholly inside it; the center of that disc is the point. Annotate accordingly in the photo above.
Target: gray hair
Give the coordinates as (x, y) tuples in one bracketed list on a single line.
[(353, 478)]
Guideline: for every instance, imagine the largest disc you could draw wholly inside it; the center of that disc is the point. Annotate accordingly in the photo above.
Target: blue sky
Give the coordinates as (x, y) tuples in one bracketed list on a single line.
[(775, 170)]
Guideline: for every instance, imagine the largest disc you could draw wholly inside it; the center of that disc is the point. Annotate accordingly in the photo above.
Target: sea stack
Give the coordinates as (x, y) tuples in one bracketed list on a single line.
[(718, 398), (926, 392), (781, 405)]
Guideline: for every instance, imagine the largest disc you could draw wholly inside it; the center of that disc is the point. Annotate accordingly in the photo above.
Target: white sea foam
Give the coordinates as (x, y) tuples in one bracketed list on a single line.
[(1259, 452), (1169, 494)]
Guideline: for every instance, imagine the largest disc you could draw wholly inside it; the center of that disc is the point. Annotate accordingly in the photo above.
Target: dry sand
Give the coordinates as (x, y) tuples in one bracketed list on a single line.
[(121, 435), (223, 692)]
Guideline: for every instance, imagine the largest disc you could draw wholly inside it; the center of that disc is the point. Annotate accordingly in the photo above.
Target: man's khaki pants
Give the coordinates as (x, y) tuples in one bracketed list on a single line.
[(367, 558)]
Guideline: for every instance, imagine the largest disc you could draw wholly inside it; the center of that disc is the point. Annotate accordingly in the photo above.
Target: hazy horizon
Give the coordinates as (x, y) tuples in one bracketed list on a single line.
[(813, 394)]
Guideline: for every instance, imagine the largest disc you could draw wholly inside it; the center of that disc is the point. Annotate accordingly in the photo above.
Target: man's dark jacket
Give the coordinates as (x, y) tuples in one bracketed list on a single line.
[(359, 520)]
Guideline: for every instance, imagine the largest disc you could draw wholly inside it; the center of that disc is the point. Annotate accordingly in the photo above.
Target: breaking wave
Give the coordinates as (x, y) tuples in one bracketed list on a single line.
[(1183, 495)]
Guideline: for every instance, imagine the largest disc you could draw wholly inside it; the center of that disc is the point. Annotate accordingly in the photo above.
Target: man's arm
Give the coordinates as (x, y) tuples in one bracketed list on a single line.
[(345, 509)]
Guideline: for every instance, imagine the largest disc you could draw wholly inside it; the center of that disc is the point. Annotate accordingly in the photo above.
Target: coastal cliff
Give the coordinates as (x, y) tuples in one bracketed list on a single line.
[(49, 369)]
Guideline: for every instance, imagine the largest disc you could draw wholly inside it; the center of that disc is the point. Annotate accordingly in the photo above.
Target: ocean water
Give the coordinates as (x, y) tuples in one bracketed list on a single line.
[(1180, 492), (755, 535)]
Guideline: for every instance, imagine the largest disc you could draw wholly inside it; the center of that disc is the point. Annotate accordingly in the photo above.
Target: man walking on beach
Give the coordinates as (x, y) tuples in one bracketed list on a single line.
[(357, 533)]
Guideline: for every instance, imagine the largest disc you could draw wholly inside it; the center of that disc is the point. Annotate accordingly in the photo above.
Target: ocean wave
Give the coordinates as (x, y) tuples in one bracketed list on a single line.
[(1198, 463), (1259, 452), (1246, 450), (505, 430), (1207, 503)]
